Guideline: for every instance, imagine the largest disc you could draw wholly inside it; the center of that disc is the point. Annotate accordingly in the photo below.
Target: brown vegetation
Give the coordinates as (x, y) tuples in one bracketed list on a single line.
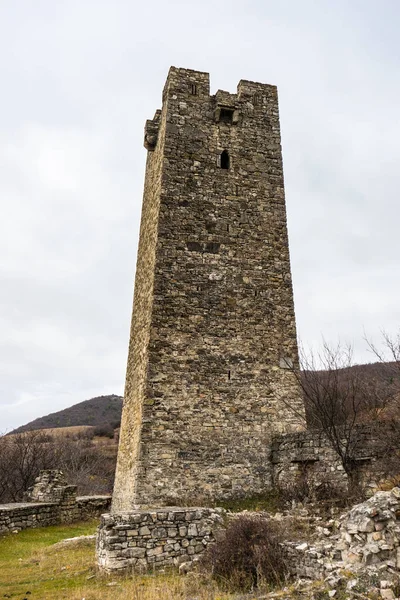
[(86, 463), (339, 396), (249, 554)]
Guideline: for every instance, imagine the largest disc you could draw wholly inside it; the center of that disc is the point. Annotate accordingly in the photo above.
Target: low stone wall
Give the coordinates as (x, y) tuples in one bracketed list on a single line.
[(51, 502), (148, 539), (24, 515)]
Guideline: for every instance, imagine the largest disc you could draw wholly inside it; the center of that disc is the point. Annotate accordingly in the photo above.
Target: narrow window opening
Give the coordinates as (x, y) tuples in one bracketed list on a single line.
[(237, 190), (255, 292), (256, 99), (198, 288), (229, 375), (227, 228), (193, 89), (226, 115), (225, 160)]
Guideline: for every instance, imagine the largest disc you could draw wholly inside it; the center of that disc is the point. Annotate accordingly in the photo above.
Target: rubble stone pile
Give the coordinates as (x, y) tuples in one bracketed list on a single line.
[(370, 532)]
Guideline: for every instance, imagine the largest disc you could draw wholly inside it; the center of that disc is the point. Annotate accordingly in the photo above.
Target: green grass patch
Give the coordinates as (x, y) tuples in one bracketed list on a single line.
[(32, 568)]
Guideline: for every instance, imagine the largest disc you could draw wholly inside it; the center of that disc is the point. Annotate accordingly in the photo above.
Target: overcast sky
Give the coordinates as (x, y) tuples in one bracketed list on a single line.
[(79, 79)]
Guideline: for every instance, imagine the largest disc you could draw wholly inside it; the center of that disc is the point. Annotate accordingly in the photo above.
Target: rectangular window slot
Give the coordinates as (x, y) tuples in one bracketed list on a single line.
[(237, 190), (212, 247), (194, 247), (229, 375), (193, 89), (226, 115), (227, 228)]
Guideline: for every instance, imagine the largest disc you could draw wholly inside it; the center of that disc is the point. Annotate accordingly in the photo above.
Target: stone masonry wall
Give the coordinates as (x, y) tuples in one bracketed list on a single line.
[(213, 327), (24, 515), (54, 502), (140, 540), (308, 455)]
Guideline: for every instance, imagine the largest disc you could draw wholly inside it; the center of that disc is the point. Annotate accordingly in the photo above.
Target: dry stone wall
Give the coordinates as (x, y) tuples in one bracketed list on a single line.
[(305, 456), (308, 456), (213, 327), (52, 502), (142, 540)]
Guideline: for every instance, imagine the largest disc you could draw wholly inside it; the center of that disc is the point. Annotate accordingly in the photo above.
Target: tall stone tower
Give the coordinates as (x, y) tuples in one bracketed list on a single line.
[(213, 328)]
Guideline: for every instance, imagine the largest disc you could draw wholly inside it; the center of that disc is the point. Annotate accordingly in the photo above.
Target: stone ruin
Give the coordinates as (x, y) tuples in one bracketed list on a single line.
[(50, 486), (50, 501), (141, 540), (370, 532), (363, 544)]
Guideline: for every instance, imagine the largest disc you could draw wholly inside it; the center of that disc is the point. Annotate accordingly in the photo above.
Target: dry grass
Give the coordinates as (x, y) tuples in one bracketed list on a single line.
[(32, 569), (72, 431)]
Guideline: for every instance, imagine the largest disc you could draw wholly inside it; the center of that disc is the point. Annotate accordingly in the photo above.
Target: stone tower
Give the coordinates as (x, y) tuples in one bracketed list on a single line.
[(213, 328)]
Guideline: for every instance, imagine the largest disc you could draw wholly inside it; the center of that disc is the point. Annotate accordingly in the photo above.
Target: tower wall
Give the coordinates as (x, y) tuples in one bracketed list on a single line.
[(213, 327)]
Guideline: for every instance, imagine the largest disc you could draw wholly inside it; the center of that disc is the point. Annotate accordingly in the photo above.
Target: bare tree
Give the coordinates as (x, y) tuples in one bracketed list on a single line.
[(22, 456), (388, 356), (334, 394), (85, 463), (339, 395)]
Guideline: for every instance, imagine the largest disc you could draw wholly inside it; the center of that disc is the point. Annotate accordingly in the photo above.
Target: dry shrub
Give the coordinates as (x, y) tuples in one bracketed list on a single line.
[(248, 555), (24, 455)]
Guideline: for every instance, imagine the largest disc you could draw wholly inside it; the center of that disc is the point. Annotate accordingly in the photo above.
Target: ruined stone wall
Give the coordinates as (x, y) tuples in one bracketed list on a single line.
[(140, 540), (51, 502), (309, 456), (305, 456), (25, 515), (213, 326)]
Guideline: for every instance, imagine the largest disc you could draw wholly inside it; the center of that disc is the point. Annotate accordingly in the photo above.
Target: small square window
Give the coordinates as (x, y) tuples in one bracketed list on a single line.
[(226, 115)]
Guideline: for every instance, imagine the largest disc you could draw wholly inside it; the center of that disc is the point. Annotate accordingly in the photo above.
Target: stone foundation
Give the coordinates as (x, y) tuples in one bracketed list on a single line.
[(141, 540)]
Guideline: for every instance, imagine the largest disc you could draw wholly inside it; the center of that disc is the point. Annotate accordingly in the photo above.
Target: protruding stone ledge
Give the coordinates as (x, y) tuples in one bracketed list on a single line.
[(146, 539)]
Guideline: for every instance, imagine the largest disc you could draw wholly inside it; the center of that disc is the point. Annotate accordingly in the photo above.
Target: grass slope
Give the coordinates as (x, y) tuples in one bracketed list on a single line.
[(32, 569)]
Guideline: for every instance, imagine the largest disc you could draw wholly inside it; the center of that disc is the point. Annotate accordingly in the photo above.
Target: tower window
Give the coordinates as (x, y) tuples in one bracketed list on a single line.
[(225, 160), (193, 89), (226, 115)]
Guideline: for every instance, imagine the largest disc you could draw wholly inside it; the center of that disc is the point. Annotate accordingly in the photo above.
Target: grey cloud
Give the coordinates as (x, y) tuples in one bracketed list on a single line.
[(79, 80)]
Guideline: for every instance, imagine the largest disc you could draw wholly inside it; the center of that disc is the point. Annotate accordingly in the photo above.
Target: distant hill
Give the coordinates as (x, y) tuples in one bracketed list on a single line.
[(103, 410)]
